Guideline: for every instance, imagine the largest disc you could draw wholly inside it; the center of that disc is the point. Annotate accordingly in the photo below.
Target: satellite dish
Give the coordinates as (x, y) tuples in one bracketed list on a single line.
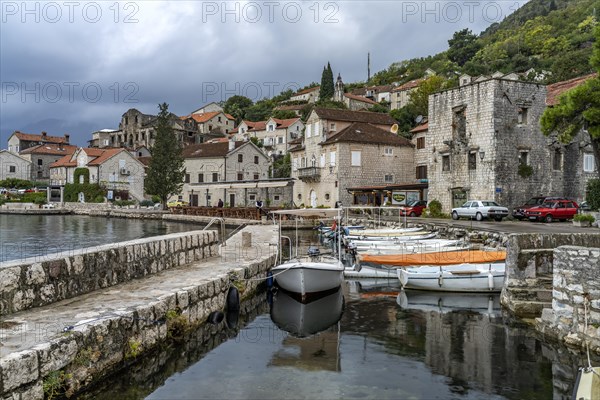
[(394, 128), (269, 153), (419, 119)]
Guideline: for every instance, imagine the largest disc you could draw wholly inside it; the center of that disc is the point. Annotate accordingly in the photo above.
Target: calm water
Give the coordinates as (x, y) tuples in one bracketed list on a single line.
[(23, 236), (373, 341)]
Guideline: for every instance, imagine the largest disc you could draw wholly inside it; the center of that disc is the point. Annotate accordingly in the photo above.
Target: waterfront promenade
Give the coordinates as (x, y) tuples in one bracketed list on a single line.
[(91, 335)]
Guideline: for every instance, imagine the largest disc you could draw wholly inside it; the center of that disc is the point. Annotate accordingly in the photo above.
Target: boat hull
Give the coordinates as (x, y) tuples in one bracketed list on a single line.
[(475, 278), (437, 258), (308, 277), (588, 384), (370, 272)]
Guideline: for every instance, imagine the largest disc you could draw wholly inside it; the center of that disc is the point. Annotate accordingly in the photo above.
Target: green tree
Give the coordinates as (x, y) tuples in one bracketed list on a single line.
[(165, 172), (406, 119), (282, 167), (284, 114), (463, 46), (327, 87), (237, 106), (261, 110), (419, 99), (578, 108)]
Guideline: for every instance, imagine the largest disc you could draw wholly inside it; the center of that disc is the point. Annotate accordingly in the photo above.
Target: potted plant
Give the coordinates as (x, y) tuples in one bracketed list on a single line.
[(583, 220)]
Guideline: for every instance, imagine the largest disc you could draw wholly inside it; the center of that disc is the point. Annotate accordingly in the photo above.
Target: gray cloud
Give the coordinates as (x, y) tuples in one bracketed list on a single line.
[(80, 75)]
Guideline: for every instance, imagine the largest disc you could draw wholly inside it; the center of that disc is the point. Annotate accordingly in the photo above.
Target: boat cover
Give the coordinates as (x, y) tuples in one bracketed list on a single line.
[(436, 258)]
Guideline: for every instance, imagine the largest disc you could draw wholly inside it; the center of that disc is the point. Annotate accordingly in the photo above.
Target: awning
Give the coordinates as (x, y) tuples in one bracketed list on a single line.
[(311, 212), (241, 185)]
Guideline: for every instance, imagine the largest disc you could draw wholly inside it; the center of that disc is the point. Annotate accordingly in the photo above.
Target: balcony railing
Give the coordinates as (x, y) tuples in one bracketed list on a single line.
[(309, 173)]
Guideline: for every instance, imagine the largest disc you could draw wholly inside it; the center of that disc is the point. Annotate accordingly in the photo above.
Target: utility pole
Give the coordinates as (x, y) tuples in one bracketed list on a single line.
[(368, 67)]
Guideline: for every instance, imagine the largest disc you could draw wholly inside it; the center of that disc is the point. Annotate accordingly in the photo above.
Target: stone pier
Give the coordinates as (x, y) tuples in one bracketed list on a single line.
[(82, 338)]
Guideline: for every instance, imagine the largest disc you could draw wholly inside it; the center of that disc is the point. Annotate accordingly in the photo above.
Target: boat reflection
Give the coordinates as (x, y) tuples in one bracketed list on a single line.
[(313, 338), (445, 302), (305, 319)]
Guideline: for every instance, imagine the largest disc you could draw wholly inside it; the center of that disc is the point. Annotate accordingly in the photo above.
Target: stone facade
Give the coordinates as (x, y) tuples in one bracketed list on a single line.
[(274, 134), (235, 172), (20, 141), (575, 292), (14, 166), (42, 156), (479, 134), (400, 96)]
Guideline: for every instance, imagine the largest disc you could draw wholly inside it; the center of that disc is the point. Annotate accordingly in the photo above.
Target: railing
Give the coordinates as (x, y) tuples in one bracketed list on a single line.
[(309, 173), (222, 221), (252, 213)]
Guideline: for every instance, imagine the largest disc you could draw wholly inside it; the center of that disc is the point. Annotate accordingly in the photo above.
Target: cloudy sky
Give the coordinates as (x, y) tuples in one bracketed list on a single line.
[(76, 67)]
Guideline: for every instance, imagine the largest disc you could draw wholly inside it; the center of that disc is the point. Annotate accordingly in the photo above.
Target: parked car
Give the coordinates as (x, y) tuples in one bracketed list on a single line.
[(480, 209), (177, 203), (584, 206), (519, 212), (414, 208), (553, 209)]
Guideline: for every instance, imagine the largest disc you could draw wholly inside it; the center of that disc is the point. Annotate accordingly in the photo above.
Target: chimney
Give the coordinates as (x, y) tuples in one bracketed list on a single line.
[(67, 136), (44, 134), (231, 144)]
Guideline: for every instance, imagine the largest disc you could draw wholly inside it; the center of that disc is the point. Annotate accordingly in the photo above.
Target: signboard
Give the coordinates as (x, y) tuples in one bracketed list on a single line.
[(498, 190), (405, 197), (109, 195)]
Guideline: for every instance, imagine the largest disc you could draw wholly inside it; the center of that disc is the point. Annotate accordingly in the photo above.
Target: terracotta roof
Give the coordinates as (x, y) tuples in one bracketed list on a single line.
[(262, 125), (421, 128), (408, 85), (256, 125), (292, 107), (64, 162), (359, 98), (95, 152), (50, 149), (360, 132), (285, 123), (219, 149), (556, 89), (296, 148), (304, 91), (355, 116), (106, 154), (201, 118), (40, 138), (144, 160)]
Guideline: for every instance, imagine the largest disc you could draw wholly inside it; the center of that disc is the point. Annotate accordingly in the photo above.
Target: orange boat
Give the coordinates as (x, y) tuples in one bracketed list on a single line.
[(438, 258)]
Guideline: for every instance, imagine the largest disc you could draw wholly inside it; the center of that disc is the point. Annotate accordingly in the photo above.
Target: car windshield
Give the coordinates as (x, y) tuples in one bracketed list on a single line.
[(412, 203), (490, 204), (534, 201)]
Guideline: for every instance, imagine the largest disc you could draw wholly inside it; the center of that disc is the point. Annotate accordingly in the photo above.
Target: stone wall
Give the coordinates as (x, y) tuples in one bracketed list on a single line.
[(529, 269), (36, 282), (575, 287)]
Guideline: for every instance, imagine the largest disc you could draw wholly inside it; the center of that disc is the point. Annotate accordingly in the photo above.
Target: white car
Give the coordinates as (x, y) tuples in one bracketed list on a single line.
[(480, 209)]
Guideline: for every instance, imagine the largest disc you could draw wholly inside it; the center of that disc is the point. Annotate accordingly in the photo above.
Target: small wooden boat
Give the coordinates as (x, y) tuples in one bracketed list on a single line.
[(435, 258), (470, 277), (587, 386), (412, 237), (371, 272)]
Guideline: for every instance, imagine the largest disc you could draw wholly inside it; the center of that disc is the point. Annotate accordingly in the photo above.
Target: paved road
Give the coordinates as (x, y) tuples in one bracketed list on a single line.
[(508, 226)]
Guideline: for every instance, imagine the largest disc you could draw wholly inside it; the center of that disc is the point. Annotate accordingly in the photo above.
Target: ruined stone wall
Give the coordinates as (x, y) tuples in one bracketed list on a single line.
[(575, 287), (529, 269), (36, 281)]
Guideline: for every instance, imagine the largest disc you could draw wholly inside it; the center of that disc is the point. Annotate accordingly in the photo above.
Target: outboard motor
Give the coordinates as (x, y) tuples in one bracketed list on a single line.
[(313, 251)]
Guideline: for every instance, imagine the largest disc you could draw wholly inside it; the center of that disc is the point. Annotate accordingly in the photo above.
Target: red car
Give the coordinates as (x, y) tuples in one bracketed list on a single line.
[(414, 208), (553, 209)]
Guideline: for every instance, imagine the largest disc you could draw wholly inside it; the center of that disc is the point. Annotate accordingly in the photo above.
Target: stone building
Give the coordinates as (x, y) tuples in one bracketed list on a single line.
[(310, 95), (342, 149), (102, 138), (485, 142), (376, 93), (14, 166), (400, 96), (237, 172), (20, 141), (43, 155), (422, 153), (114, 168), (274, 134), (353, 102)]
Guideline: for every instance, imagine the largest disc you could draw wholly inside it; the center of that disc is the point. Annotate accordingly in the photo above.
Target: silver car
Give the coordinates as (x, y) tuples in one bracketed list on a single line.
[(480, 209)]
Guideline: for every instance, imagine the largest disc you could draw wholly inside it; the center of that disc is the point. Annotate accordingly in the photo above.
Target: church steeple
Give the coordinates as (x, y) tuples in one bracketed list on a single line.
[(338, 94)]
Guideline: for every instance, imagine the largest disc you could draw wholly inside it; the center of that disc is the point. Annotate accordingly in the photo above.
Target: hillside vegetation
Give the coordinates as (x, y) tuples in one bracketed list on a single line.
[(551, 35)]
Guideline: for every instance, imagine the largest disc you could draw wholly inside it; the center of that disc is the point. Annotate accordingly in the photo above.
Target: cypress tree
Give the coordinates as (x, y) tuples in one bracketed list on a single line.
[(166, 170), (327, 88)]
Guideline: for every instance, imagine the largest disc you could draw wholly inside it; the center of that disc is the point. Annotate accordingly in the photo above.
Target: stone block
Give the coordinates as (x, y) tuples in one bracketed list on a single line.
[(35, 274), (9, 279), (19, 369), (182, 299), (56, 354)]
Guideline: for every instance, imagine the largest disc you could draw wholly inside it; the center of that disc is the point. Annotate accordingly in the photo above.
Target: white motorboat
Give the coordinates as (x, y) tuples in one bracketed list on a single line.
[(371, 271), (356, 230), (488, 277), (314, 273), (424, 235), (431, 245), (483, 303)]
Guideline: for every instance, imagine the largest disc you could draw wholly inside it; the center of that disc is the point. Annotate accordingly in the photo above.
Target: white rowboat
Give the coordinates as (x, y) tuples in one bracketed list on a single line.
[(487, 277)]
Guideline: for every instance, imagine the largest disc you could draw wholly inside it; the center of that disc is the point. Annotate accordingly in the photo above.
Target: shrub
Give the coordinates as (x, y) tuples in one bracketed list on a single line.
[(155, 199), (434, 210), (123, 203), (146, 203), (584, 217), (593, 193), (36, 198), (525, 170)]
